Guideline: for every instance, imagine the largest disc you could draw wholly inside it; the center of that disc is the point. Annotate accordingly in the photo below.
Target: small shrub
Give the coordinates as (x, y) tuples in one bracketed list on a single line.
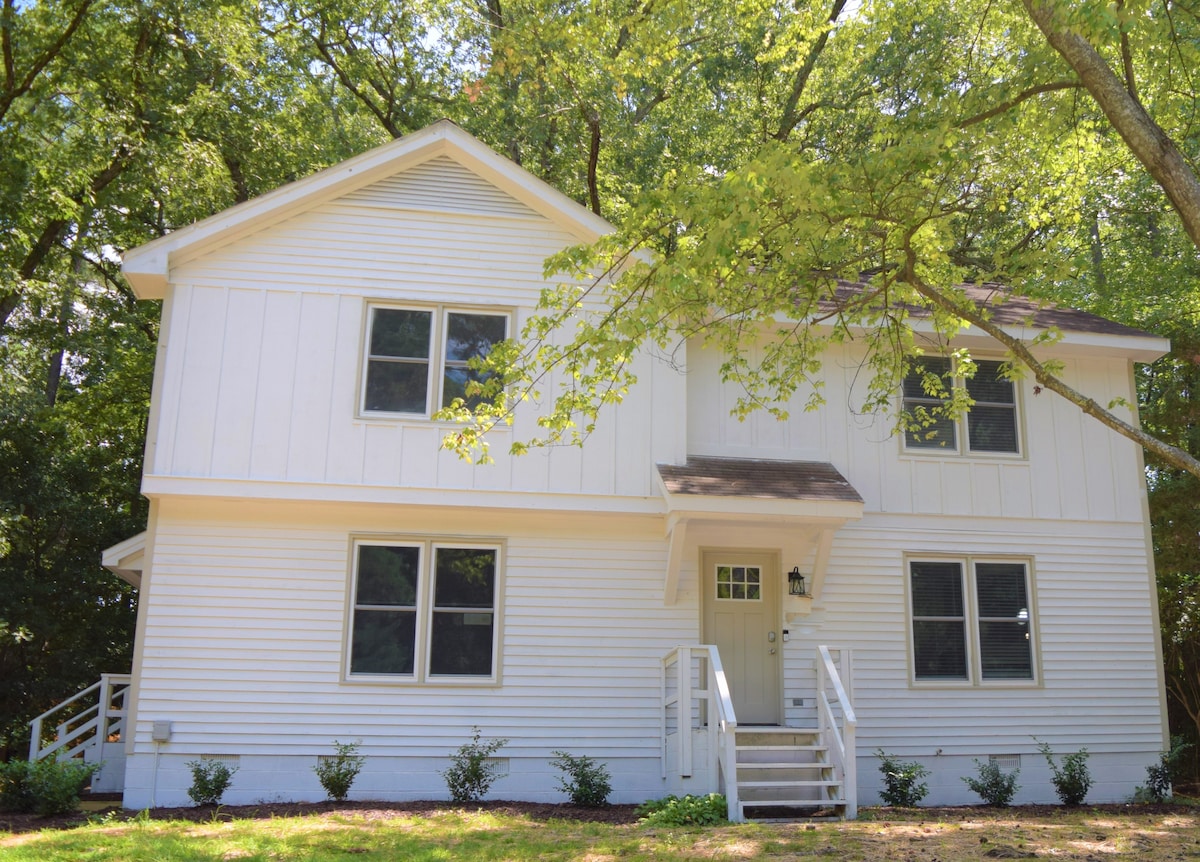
[(1158, 775), (685, 810), (585, 781), (1071, 780), (45, 787), (210, 780), (994, 786), (337, 773), (470, 776), (902, 785)]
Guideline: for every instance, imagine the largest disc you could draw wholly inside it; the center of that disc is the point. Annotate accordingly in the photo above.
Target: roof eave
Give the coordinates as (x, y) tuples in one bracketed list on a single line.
[(148, 267)]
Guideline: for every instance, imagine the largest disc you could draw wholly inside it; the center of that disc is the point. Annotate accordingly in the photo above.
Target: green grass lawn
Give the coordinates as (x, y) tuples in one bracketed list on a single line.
[(1084, 834)]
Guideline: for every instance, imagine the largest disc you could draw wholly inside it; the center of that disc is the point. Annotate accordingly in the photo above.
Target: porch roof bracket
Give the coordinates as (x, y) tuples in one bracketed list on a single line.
[(676, 533), (821, 560)]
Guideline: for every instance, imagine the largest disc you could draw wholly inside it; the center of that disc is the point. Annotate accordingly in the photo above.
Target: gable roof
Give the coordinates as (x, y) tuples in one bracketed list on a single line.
[(148, 267), (1081, 330)]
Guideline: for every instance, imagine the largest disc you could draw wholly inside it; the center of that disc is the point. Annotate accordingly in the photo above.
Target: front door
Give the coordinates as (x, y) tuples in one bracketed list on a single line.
[(741, 613)]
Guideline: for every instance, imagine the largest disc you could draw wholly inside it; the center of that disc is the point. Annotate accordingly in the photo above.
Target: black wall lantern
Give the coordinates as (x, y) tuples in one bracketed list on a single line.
[(796, 585)]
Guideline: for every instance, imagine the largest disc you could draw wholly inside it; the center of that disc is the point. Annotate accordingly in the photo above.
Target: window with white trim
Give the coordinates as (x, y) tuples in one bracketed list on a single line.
[(991, 425), (417, 359), (424, 610), (971, 620)]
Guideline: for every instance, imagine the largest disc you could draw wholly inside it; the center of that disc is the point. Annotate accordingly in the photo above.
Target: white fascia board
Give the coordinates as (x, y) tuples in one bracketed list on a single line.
[(1145, 348), (126, 559), (148, 267), (758, 510), (155, 487)]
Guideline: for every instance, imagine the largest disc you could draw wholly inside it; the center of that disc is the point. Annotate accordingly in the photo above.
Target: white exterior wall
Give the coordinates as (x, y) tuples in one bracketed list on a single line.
[(244, 647), (1072, 504), (244, 604), (262, 349)]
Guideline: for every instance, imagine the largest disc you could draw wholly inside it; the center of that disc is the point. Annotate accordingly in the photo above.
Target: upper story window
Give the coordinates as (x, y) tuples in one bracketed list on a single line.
[(989, 427), (417, 358)]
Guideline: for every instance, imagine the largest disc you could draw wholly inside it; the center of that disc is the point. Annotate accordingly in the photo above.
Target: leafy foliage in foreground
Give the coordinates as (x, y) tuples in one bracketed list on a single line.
[(1072, 779), (338, 771), (585, 781), (902, 785), (685, 810), (993, 785), (471, 775), (45, 787), (210, 780)]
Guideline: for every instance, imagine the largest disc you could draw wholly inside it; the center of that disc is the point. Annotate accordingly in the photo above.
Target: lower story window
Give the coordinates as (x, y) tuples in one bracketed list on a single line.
[(971, 620), (424, 610)]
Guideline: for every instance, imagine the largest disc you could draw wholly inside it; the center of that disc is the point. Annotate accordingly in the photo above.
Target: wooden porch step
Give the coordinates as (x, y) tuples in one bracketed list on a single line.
[(813, 782), (774, 747), (783, 764)]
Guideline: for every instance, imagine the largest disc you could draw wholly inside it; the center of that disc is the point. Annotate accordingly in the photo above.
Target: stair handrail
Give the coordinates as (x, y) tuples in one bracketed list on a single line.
[(843, 747), (110, 687), (722, 720)]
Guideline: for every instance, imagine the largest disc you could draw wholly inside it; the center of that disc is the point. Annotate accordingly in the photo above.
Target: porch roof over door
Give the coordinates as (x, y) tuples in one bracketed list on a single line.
[(806, 502)]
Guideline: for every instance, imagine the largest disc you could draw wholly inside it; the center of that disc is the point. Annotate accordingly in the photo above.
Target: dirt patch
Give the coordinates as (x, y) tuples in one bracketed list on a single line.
[(19, 823), (914, 818)]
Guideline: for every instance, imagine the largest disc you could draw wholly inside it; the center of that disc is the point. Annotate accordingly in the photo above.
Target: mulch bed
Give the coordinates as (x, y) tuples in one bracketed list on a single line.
[(616, 814)]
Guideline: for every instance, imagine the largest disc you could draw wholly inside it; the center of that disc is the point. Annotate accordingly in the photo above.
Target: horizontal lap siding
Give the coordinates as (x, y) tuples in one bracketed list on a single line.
[(243, 648), (1095, 634)]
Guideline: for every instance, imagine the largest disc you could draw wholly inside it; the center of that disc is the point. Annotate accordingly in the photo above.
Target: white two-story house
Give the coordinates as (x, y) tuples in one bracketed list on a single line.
[(699, 603)]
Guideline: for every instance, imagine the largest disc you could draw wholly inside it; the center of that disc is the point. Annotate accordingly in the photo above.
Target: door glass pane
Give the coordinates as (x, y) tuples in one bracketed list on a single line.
[(739, 582)]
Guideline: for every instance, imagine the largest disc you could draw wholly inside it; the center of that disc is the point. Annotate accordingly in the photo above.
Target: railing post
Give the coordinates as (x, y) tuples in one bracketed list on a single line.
[(105, 703), (850, 772), (685, 713), (35, 738), (662, 715)]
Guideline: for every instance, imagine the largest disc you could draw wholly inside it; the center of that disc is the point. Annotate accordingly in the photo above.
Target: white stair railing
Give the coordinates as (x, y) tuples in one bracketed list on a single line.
[(836, 719), (81, 727), (706, 701)]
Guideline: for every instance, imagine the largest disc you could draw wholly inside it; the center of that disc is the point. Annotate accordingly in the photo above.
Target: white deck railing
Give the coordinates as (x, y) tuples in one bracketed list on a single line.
[(836, 719), (83, 727), (700, 701)]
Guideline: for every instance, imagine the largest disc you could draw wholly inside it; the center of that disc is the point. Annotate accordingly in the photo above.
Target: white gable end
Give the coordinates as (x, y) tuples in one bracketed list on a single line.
[(441, 185)]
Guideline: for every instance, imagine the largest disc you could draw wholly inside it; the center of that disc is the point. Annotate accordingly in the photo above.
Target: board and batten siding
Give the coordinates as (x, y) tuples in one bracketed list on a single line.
[(243, 648), (261, 367), (1070, 468)]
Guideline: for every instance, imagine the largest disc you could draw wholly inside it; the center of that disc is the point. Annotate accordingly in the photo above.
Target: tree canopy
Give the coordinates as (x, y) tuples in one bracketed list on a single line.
[(753, 155)]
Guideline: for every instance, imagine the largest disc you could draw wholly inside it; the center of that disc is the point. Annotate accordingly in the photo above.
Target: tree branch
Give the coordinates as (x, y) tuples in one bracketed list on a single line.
[(1144, 137), (790, 117), (969, 312), (1018, 99), (12, 89)]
